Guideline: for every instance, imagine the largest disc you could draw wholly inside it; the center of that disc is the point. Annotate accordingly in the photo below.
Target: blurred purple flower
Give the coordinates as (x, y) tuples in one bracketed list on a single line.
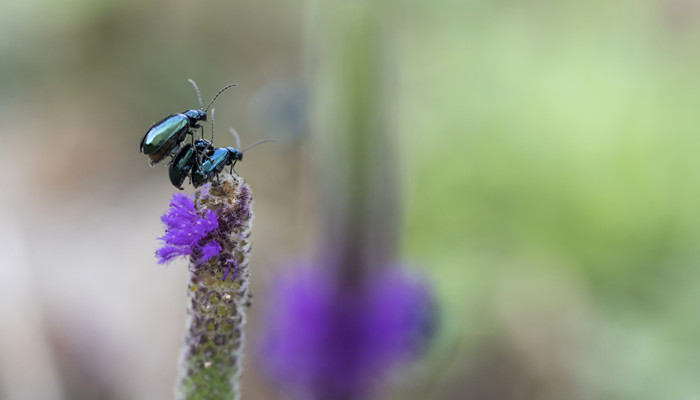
[(327, 341), (188, 232)]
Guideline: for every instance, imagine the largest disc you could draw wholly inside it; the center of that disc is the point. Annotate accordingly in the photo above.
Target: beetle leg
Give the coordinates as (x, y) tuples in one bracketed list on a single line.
[(233, 165), (197, 161), (195, 127)]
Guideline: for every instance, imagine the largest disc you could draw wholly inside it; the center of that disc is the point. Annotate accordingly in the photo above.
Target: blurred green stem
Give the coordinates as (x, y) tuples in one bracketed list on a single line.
[(352, 119)]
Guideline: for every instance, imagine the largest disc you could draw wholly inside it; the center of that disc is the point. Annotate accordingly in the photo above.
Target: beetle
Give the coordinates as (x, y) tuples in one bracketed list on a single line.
[(189, 157), (218, 159), (165, 136)]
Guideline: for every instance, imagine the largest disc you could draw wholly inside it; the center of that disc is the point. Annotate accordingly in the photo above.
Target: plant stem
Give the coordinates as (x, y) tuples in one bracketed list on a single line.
[(210, 362)]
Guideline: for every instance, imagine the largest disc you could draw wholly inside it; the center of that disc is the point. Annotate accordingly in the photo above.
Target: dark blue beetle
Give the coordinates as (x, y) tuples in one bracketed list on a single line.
[(165, 136), (216, 162), (217, 159)]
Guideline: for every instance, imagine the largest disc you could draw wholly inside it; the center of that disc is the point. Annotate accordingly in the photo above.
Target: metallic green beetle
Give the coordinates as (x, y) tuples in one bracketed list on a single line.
[(165, 136)]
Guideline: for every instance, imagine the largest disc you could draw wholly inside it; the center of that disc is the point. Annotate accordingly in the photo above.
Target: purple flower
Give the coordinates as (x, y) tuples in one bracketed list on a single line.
[(188, 232), (213, 229), (331, 342)]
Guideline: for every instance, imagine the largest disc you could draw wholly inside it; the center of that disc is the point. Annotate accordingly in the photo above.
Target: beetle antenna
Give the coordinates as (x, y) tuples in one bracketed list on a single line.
[(257, 143), (217, 95), (199, 94), (238, 138), (212, 125)]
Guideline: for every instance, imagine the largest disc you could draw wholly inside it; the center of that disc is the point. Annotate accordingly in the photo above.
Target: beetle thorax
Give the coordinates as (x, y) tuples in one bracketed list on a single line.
[(203, 144), (196, 115)]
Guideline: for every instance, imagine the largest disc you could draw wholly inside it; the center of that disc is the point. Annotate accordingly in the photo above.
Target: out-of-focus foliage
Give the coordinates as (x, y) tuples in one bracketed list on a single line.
[(550, 186), (552, 157)]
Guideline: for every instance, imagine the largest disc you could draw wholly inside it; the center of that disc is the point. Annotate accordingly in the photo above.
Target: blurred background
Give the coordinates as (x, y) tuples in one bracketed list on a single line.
[(549, 170)]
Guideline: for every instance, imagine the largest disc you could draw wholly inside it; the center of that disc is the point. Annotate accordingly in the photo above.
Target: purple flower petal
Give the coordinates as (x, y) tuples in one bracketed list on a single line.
[(334, 342), (166, 254), (209, 251), (185, 228)]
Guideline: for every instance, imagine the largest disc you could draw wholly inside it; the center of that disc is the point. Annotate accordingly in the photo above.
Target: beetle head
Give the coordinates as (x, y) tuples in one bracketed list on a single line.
[(196, 115), (234, 154)]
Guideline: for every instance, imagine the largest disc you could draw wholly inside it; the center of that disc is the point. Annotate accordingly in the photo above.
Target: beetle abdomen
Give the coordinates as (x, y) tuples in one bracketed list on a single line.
[(164, 136), (181, 165)]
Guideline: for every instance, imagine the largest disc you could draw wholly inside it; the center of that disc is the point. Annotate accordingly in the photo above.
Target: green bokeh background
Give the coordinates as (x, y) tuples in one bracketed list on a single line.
[(553, 185), (549, 169)]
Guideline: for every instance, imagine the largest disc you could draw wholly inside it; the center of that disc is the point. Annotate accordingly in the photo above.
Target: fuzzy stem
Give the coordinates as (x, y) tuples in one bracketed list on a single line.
[(353, 119), (210, 362)]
